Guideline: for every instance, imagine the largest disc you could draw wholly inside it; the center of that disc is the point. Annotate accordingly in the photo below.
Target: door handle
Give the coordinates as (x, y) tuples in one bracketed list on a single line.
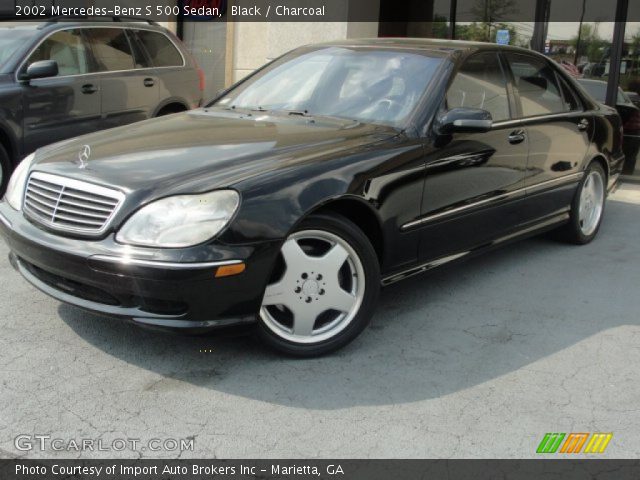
[(583, 124), (89, 89), (149, 82), (515, 137)]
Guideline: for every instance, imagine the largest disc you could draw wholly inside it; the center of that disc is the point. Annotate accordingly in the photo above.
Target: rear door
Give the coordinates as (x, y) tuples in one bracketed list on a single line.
[(66, 105), (129, 86), (474, 181), (178, 81), (559, 132)]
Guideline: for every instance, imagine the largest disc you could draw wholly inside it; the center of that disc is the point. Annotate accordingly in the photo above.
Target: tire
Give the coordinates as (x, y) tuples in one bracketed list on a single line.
[(324, 288), (5, 170), (590, 199)]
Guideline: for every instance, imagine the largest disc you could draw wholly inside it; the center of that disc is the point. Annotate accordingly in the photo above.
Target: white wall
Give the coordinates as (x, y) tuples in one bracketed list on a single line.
[(256, 43)]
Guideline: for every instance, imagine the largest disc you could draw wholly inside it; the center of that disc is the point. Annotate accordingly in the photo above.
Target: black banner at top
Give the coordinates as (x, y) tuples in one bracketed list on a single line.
[(485, 11)]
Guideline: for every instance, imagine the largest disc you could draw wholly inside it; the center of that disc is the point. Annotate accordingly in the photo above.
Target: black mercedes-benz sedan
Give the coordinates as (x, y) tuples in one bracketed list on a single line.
[(295, 195)]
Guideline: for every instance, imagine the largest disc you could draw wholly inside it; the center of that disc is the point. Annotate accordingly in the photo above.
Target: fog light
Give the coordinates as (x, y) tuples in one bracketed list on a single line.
[(228, 270)]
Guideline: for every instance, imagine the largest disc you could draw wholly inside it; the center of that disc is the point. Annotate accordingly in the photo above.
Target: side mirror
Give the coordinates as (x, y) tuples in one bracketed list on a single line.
[(41, 69), (463, 120)]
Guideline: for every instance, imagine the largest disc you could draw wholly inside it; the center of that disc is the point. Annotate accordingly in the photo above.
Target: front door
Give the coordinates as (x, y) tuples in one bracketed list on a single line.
[(474, 181), (559, 132), (64, 106)]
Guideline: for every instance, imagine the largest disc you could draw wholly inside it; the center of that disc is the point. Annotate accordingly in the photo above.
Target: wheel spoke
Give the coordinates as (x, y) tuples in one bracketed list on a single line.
[(303, 321), (335, 258), (340, 300), (292, 253), (275, 294)]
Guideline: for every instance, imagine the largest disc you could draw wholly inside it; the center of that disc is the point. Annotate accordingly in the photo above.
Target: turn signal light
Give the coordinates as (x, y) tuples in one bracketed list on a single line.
[(228, 270)]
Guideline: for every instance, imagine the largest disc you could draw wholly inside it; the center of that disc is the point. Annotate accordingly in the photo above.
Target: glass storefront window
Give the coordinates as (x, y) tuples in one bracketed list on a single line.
[(583, 48), (207, 42), (491, 21), (438, 11), (628, 106)]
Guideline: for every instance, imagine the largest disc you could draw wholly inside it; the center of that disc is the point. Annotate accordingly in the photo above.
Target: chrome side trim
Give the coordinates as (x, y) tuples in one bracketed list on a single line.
[(498, 198), (463, 208), (160, 264), (536, 118), (554, 182), (5, 221), (556, 218), (421, 268), (465, 159)]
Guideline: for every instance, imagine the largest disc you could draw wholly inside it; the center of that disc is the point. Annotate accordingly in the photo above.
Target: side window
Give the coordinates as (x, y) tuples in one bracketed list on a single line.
[(111, 48), (536, 83), (141, 58), (161, 50), (571, 100), (480, 83), (67, 49)]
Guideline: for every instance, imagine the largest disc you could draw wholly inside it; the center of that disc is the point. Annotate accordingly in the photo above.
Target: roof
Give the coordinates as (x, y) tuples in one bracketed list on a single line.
[(50, 23), (591, 80), (20, 25), (423, 43)]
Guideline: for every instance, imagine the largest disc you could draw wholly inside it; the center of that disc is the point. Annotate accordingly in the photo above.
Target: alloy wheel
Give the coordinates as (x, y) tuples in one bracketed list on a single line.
[(318, 290), (591, 203)]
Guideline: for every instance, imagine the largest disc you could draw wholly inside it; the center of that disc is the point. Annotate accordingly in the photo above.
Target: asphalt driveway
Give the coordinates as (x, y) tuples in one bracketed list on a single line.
[(475, 360)]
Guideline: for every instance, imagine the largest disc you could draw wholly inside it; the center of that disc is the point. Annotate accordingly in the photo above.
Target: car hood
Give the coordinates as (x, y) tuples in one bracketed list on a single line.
[(203, 149)]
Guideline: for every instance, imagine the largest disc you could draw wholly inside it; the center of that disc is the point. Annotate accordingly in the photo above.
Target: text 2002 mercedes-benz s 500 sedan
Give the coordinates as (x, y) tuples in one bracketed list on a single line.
[(291, 198)]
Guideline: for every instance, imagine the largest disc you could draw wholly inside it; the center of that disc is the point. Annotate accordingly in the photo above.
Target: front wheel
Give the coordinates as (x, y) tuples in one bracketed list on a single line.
[(324, 288), (587, 207)]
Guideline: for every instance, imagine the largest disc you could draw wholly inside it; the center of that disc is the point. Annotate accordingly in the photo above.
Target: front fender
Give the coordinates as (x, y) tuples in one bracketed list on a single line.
[(275, 202)]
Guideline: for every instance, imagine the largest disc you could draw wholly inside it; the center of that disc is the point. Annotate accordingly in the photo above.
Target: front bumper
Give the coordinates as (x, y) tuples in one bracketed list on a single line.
[(172, 288)]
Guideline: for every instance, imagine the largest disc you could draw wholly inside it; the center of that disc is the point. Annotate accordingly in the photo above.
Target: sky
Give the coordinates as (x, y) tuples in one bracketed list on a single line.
[(567, 30)]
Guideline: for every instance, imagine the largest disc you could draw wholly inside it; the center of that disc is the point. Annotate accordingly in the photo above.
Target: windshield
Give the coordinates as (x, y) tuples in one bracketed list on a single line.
[(10, 39), (373, 86)]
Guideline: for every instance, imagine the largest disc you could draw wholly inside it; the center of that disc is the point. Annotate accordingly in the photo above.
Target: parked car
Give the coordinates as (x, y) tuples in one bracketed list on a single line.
[(634, 97), (630, 115), (291, 198), (64, 78)]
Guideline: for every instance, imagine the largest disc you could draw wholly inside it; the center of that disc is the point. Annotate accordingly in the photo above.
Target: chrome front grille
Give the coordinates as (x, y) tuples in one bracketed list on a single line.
[(67, 204)]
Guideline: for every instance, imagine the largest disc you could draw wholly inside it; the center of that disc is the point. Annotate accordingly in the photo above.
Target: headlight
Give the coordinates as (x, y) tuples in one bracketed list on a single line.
[(17, 182), (180, 221)]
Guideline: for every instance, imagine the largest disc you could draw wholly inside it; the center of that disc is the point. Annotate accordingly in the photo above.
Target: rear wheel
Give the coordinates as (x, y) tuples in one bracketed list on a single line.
[(324, 288), (587, 207), (5, 170)]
